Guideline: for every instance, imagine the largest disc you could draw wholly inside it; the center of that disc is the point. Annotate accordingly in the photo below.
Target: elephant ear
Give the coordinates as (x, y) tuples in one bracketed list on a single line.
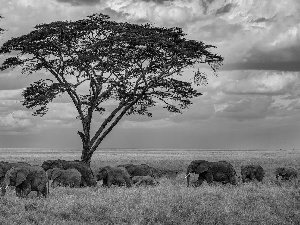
[(55, 174), (101, 173), (21, 175), (51, 172), (60, 163), (107, 170), (3, 171), (202, 167)]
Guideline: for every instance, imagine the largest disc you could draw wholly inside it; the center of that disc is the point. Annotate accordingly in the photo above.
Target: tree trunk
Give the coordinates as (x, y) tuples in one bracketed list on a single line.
[(86, 156)]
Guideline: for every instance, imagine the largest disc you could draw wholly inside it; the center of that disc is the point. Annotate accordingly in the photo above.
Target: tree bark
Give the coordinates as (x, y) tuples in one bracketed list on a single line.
[(86, 156)]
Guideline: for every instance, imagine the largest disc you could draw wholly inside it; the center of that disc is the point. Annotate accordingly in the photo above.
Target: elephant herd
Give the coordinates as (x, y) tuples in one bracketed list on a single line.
[(27, 178), (224, 172)]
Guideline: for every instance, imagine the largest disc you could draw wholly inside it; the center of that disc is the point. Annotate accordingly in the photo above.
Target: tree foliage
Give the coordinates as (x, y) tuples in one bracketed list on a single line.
[(137, 66)]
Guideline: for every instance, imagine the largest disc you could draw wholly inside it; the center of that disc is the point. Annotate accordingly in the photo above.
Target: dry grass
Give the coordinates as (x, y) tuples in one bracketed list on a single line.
[(169, 203)]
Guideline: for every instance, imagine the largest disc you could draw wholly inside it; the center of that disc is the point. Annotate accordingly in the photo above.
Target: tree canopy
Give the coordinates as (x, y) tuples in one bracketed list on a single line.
[(136, 66)]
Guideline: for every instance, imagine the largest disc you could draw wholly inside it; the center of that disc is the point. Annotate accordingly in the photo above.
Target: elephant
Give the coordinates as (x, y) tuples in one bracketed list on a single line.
[(221, 171), (26, 179), (286, 173), (87, 176), (144, 180), (5, 166), (139, 170), (68, 177), (114, 175), (252, 172)]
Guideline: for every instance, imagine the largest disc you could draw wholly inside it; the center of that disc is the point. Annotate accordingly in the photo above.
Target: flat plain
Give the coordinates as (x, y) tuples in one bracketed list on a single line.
[(269, 202)]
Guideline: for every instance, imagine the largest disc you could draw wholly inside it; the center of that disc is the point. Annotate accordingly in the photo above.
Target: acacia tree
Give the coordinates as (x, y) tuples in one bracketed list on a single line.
[(137, 66)]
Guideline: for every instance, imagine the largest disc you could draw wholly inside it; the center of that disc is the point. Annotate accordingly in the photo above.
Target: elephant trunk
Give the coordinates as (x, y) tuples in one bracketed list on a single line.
[(5, 185), (188, 179), (188, 175), (234, 180)]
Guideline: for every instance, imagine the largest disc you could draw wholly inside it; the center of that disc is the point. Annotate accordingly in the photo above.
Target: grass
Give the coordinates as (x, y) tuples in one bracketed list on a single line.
[(169, 203)]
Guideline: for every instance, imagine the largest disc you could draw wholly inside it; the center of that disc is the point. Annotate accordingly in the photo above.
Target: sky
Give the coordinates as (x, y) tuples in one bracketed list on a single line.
[(253, 103)]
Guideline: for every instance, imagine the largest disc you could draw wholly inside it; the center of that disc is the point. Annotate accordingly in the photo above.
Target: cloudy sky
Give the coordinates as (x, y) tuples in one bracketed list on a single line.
[(252, 104)]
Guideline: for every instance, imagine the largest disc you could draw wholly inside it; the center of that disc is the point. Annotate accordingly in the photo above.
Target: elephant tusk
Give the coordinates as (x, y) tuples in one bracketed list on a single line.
[(187, 175)]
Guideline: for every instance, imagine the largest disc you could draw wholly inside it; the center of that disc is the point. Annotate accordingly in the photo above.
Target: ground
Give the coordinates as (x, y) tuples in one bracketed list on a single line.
[(171, 202)]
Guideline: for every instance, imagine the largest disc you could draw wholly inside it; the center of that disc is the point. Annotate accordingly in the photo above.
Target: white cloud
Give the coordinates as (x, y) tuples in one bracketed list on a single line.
[(288, 37), (21, 114), (11, 94), (257, 82), (61, 111), (12, 123)]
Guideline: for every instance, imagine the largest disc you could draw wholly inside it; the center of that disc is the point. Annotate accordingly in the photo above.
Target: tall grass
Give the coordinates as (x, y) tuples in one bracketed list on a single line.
[(171, 202)]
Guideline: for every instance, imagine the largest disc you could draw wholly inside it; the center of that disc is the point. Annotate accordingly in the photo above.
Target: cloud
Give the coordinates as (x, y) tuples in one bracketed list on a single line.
[(61, 111), (80, 2), (13, 124), (225, 9), (21, 114), (201, 110), (295, 105), (153, 124), (262, 83), (11, 94), (246, 109)]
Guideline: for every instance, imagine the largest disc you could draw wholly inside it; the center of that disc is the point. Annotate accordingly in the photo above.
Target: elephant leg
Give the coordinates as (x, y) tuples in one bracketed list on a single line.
[(3, 190), (54, 184), (104, 184), (76, 184), (243, 179), (128, 182), (26, 189), (84, 183), (109, 183), (209, 177), (252, 176), (44, 191), (19, 191), (201, 178)]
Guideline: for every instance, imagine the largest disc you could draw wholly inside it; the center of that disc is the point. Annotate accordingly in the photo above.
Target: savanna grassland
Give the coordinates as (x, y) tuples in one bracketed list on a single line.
[(171, 202)]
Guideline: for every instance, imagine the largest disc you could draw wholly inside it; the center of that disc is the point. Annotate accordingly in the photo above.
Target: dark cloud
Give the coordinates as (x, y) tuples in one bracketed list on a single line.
[(80, 2), (281, 66), (157, 1), (205, 4), (225, 9), (264, 19), (284, 59), (247, 109), (260, 20)]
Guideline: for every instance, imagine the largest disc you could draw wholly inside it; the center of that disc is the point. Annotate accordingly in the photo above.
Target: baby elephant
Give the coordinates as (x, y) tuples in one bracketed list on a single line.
[(286, 173), (114, 175), (252, 172), (144, 180), (68, 177)]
